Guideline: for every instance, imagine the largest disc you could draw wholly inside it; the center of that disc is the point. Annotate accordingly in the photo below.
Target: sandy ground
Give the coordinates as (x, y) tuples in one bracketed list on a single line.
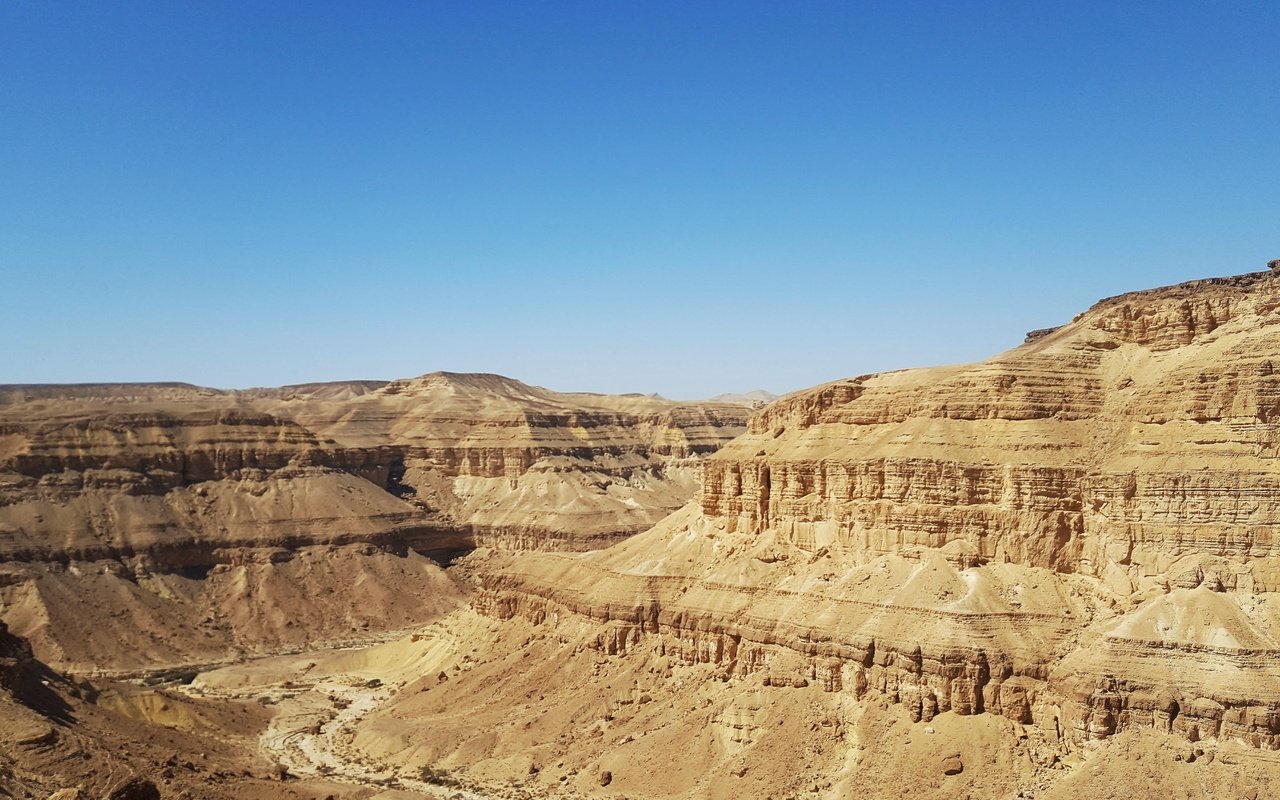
[(321, 697)]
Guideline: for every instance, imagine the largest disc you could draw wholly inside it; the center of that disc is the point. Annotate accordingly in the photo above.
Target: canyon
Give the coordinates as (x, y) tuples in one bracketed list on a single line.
[(1047, 574), (278, 518)]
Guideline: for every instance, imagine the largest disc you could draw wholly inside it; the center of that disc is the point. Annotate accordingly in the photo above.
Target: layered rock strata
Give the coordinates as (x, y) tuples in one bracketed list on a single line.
[(437, 463), (1078, 534), (125, 502), (1142, 432)]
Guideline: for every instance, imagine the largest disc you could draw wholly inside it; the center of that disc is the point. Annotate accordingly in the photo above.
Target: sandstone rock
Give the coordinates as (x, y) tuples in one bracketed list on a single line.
[(976, 519), (154, 482), (515, 465), (952, 765), (1079, 535)]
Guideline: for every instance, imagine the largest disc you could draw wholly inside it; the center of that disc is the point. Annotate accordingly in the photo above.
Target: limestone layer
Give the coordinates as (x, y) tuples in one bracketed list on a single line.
[(1079, 534), (274, 519), (438, 463), (1142, 432)]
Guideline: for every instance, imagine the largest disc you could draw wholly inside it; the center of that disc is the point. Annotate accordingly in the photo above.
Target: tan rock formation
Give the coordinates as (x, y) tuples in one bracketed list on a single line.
[(61, 738), (1077, 535), (126, 507), (524, 466), (1050, 574), (439, 462), (1139, 433)]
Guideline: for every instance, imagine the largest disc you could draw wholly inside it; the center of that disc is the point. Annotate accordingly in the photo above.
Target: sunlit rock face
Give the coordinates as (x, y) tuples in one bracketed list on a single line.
[(1140, 433), (121, 505), (435, 461), (1079, 534)]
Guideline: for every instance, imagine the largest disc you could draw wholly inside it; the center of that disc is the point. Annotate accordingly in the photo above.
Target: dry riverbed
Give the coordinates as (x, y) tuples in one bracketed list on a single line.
[(320, 699)]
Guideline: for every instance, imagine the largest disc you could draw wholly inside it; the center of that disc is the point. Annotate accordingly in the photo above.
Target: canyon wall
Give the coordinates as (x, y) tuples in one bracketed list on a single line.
[(123, 504), (1142, 432), (438, 463), (1079, 534)]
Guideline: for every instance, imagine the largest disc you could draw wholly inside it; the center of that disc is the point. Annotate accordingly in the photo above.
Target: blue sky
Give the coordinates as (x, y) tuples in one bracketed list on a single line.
[(684, 198)]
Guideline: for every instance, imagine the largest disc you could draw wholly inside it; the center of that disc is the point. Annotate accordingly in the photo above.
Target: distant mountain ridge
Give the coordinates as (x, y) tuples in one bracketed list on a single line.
[(752, 399)]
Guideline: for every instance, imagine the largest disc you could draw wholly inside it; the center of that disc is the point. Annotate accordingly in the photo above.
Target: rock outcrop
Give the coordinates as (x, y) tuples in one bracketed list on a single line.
[(1079, 534), (438, 463), (1142, 433), (60, 738), (1019, 577), (125, 505)]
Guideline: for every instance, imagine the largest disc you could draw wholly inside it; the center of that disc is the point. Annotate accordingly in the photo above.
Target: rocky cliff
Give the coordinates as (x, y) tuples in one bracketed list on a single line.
[(124, 505), (1139, 434), (1077, 535), (439, 462), (1057, 565)]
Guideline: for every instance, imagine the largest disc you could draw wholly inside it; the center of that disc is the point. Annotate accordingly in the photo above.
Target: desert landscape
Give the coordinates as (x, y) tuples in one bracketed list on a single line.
[(692, 400), (1049, 574)]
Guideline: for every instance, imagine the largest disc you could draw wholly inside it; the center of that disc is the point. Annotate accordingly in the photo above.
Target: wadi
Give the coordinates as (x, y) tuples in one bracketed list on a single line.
[(1051, 574)]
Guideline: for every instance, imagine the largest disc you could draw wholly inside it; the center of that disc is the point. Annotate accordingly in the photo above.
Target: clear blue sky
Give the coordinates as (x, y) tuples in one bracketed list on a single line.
[(671, 197)]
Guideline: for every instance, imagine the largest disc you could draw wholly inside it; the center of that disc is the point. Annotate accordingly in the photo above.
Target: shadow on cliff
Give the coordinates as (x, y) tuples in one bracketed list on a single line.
[(31, 682)]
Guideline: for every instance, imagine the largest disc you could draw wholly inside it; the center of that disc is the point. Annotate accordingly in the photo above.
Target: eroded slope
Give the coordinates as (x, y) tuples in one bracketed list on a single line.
[(157, 525), (1076, 536)]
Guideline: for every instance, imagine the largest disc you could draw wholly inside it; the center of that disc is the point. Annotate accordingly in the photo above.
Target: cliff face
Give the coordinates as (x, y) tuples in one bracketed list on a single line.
[(167, 498), (526, 467), (1079, 534), (1040, 563), (1140, 433), (437, 463)]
